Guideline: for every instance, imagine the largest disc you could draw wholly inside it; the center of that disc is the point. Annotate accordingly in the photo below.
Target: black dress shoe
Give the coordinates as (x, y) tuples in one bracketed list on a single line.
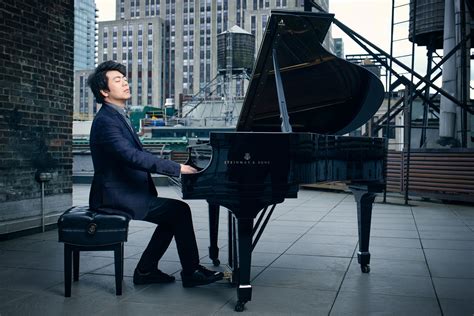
[(155, 276), (201, 276)]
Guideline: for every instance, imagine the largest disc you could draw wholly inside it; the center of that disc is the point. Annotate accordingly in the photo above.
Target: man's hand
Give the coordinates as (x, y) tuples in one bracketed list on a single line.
[(185, 169)]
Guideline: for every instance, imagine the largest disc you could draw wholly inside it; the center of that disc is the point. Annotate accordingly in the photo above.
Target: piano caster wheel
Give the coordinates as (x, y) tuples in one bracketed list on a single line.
[(365, 268), (239, 307), (216, 262)]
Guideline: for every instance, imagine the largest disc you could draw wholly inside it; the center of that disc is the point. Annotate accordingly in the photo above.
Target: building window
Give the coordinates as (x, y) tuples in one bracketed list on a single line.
[(264, 22), (253, 25)]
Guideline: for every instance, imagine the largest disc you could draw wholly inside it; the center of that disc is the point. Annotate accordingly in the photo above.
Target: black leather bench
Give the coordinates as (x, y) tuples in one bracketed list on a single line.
[(81, 229)]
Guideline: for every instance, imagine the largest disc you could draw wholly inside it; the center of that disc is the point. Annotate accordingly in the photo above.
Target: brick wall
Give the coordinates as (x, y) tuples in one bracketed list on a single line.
[(36, 104)]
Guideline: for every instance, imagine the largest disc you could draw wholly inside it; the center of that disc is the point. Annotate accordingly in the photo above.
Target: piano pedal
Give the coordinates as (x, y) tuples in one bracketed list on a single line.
[(228, 276)]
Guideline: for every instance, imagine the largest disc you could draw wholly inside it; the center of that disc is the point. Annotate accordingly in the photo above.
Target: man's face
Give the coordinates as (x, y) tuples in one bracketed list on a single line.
[(119, 90)]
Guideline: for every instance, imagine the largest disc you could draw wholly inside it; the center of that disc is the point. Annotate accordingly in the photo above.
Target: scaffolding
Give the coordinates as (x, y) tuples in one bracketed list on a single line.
[(400, 68)]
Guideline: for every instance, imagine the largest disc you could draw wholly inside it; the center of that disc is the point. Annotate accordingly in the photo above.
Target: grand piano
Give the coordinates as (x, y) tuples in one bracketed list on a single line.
[(301, 99)]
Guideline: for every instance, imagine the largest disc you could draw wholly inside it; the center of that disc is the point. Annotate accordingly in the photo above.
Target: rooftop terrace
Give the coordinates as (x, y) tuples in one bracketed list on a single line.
[(304, 264)]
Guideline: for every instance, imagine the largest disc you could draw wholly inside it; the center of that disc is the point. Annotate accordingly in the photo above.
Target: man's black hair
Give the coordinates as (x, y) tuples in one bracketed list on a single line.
[(98, 80)]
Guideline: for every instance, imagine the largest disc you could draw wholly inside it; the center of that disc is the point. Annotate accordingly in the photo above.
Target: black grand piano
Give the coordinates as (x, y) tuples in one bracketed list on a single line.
[(300, 101)]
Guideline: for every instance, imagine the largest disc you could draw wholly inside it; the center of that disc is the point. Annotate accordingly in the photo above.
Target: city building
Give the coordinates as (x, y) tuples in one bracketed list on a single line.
[(85, 106), (184, 41), (85, 54), (138, 43), (85, 29)]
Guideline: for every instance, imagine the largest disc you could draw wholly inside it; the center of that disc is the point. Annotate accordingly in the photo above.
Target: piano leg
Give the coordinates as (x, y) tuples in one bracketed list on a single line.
[(231, 242), (244, 259), (213, 233), (364, 197)]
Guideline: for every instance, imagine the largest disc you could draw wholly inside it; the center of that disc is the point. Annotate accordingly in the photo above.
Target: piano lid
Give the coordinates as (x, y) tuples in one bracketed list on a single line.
[(324, 94)]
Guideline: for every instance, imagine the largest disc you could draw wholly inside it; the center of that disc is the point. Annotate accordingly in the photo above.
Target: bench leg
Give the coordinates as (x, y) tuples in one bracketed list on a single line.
[(75, 265), (123, 262), (71, 264), (118, 259), (67, 270)]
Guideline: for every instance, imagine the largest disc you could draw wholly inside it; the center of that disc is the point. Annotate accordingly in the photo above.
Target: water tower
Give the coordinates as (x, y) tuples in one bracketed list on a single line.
[(442, 24), (235, 58), (427, 29), (235, 50)]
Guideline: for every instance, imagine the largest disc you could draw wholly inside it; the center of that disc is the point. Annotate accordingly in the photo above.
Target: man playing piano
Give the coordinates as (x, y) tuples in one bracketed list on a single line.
[(122, 183)]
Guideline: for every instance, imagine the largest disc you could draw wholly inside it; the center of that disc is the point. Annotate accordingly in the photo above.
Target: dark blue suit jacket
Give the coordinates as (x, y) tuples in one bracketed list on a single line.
[(122, 180)]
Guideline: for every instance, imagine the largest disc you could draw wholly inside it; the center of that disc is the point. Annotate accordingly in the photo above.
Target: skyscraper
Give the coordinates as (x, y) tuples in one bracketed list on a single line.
[(85, 50), (85, 28)]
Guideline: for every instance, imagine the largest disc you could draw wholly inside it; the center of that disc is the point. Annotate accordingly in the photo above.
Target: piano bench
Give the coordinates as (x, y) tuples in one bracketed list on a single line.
[(81, 229)]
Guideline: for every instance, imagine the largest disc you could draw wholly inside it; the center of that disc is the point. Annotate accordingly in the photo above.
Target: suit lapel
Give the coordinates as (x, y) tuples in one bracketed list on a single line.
[(128, 127)]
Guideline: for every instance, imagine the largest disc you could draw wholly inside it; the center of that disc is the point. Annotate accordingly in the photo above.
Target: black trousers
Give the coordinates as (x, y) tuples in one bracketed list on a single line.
[(174, 219)]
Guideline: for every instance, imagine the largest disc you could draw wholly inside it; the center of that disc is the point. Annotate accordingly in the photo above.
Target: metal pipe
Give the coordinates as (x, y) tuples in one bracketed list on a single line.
[(410, 105), (427, 96), (390, 90), (464, 33), (447, 120), (42, 206), (43, 177)]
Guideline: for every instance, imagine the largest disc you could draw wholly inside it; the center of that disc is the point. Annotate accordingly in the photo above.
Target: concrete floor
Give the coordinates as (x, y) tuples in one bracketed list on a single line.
[(304, 264)]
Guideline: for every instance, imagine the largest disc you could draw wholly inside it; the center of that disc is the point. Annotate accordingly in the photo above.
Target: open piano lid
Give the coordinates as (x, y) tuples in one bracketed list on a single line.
[(324, 94)]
